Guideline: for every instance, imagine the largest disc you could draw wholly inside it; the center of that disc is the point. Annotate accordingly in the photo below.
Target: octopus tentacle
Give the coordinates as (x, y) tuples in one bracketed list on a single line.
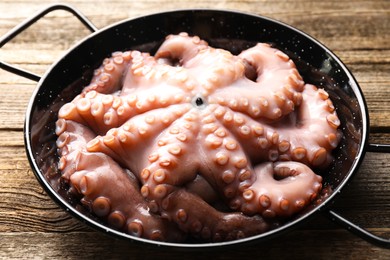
[(108, 77), (205, 222), (240, 182), (212, 68), (167, 167), (130, 141), (280, 189), (93, 175), (313, 133), (146, 69), (127, 71), (171, 147), (94, 108), (308, 135), (224, 163), (71, 141), (273, 91), (178, 49), (131, 214)]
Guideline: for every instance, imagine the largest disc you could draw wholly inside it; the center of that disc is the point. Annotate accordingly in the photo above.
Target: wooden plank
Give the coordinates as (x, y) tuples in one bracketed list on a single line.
[(88, 245), (11, 138), (13, 106), (367, 23)]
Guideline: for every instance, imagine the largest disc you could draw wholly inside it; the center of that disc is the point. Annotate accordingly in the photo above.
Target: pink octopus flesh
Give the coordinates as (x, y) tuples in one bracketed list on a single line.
[(195, 141)]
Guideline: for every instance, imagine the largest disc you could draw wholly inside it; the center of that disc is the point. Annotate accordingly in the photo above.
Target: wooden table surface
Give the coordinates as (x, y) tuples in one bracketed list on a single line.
[(33, 226)]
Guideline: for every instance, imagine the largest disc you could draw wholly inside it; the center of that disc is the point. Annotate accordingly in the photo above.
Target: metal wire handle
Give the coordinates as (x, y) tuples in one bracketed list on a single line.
[(352, 227), (27, 23)]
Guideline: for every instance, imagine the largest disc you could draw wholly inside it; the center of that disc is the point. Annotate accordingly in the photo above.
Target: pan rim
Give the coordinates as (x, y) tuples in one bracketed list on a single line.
[(267, 235)]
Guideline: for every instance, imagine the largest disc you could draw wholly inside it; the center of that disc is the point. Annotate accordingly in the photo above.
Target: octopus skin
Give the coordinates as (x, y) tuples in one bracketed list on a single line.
[(195, 141)]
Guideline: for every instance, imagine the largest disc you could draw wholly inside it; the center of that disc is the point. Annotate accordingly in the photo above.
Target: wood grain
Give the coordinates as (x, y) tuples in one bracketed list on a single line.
[(33, 226)]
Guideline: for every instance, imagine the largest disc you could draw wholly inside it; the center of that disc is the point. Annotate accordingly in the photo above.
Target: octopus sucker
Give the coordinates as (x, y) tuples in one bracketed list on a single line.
[(101, 206), (196, 142), (135, 228)]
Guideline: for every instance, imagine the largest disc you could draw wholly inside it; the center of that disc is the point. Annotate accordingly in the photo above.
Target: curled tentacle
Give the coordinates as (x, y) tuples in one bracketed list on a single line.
[(280, 189), (178, 49)]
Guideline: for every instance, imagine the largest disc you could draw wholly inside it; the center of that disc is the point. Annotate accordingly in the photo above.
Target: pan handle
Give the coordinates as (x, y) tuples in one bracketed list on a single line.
[(27, 23), (359, 231), (378, 148)]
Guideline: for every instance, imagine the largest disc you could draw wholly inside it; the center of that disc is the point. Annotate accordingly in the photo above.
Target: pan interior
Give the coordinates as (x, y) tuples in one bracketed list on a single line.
[(229, 30)]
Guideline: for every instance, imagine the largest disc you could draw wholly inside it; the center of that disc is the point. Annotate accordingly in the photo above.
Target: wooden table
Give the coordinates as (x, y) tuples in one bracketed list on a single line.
[(33, 226)]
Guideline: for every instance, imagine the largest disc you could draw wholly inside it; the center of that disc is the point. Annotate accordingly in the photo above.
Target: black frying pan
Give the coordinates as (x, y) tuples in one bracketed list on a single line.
[(226, 29)]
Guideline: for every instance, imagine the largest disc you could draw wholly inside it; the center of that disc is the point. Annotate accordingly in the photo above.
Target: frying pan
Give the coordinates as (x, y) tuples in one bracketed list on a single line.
[(231, 30)]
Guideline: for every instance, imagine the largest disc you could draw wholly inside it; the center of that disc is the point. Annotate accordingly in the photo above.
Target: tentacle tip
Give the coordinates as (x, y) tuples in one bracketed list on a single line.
[(61, 126)]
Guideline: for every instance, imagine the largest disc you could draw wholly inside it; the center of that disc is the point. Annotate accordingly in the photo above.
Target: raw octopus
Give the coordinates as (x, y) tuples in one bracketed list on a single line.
[(194, 141)]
